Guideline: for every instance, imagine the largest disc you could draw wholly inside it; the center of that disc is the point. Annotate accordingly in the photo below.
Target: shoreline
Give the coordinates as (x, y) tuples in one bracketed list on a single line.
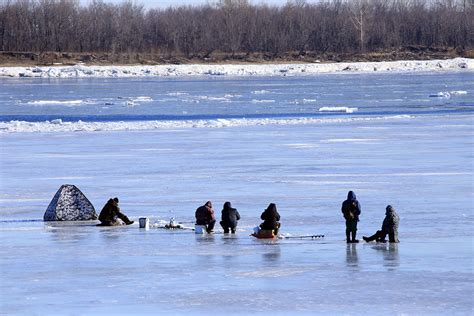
[(232, 69)]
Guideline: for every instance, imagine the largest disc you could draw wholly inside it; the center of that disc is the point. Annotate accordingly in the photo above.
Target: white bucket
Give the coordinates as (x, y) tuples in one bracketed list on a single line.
[(144, 222), (200, 229), (256, 229)]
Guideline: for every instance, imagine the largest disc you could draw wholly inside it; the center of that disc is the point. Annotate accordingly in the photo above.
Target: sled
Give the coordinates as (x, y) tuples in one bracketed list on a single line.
[(264, 234)]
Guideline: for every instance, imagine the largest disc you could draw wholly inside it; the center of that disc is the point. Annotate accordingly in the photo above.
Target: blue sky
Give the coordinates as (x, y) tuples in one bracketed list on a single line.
[(166, 3)]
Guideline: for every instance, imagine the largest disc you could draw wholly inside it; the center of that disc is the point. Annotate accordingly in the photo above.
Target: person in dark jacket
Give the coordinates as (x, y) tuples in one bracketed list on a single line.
[(389, 227), (229, 219), (110, 214), (205, 216), (351, 211), (271, 219)]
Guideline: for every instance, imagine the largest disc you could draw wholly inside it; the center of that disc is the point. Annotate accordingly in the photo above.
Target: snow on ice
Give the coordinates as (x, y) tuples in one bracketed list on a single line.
[(80, 71)]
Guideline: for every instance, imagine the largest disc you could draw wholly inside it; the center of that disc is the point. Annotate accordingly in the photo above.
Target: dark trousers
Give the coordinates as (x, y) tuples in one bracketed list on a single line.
[(124, 218), (226, 227), (380, 236), (275, 227), (351, 229)]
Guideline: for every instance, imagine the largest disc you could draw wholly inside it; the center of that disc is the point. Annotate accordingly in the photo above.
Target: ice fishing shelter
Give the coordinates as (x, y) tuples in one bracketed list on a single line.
[(69, 204)]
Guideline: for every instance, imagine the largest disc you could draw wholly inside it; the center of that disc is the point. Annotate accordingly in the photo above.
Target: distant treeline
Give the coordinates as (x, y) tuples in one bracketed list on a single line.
[(235, 26)]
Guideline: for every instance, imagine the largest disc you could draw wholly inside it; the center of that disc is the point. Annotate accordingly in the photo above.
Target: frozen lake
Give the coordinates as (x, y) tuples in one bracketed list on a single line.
[(164, 147)]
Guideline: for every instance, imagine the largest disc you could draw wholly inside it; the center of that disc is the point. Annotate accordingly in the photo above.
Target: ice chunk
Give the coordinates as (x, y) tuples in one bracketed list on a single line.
[(337, 109)]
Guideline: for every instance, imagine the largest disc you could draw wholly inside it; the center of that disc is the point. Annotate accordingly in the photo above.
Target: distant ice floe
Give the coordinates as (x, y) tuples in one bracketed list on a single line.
[(128, 101), (177, 94), (59, 126), (82, 71), (261, 92), (262, 101), (447, 94), (141, 99), (132, 101), (350, 140), (57, 102), (344, 109), (303, 101)]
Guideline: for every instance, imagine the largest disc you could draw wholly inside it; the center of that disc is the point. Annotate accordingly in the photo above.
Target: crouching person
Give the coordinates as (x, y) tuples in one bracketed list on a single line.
[(389, 227), (271, 219), (205, 217), (230, 216), (111, 215)]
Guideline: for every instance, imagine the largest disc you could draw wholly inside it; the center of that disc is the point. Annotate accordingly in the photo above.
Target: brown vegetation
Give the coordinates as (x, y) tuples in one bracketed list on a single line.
[(62, 31)]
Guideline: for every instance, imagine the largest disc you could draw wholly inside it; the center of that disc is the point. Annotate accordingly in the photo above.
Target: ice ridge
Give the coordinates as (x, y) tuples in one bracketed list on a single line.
[(82, 71), (59, 126)]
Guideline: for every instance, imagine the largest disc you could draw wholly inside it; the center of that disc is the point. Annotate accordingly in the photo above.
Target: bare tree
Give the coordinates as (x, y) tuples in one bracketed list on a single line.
[(236, 27), (360, 10)]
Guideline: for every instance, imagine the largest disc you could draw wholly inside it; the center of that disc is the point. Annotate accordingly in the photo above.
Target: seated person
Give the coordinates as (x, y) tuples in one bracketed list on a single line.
[(230, 216), (205, 217), (111, 215), (270, 219), (389, 227)]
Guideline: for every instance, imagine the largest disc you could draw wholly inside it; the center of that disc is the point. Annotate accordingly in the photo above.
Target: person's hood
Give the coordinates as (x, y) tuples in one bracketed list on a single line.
[(208, 204), (272, 207), (389, 210), (351, 196), (227, 206)]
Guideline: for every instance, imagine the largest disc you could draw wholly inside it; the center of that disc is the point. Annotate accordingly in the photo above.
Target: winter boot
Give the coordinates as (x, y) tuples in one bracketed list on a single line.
[(348, 237), (371, 238)]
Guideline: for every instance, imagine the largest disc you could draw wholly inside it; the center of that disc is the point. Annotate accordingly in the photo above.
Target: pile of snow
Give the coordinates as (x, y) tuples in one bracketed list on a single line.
[(80, 126), (80, 71)]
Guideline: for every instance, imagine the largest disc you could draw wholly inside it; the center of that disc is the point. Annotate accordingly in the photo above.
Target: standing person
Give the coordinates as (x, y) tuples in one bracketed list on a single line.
[(389, 227), (205, 216), (351, 211), (110, 214), (271, 219), (229, 219)]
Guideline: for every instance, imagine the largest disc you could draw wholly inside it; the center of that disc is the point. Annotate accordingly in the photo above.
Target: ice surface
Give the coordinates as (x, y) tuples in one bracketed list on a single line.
[(70, 269), (421, 162)]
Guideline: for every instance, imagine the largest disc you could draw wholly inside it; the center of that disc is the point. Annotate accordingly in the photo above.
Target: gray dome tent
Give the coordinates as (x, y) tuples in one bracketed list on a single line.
[(69, 204)]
